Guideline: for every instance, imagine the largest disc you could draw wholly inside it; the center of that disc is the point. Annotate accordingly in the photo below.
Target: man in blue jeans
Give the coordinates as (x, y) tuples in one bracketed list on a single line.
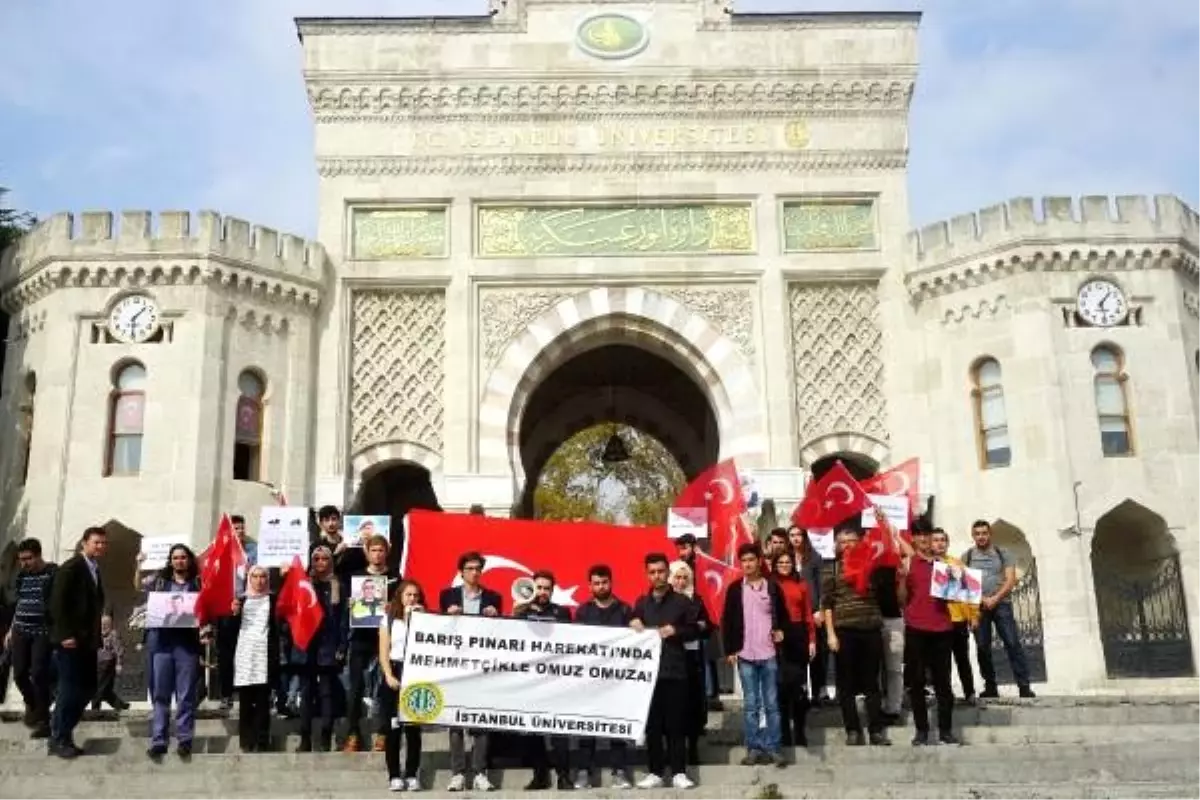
[(751, 626), (999, 577)]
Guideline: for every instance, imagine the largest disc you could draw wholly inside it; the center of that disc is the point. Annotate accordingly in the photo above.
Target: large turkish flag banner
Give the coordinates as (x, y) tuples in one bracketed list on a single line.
[(515, 549)]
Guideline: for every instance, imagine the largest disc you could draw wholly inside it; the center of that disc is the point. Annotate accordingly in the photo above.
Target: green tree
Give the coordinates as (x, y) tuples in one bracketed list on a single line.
[(576, 484), (13, 223)]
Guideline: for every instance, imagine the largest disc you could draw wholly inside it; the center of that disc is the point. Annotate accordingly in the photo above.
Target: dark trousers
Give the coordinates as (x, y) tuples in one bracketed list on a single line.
[(542, 759), (793, 704), (928, 653), (858, 660), (618, 748), (76, 670), (667, 721), (960, 645), (697, 699), (359, 662), (31, 655), (228, 629), (254, 718), (1006, 627), (316, 704), (389, 706), (818, 668), (106, 687)]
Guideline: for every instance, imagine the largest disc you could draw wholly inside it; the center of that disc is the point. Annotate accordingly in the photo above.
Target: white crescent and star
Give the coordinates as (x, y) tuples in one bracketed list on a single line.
[(830, 502), (561, 596), (312, 593), (726, 491)]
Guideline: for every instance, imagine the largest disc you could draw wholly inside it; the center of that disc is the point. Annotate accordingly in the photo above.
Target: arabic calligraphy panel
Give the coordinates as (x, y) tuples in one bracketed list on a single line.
[(536, 231), (828, 226), (400, 233)]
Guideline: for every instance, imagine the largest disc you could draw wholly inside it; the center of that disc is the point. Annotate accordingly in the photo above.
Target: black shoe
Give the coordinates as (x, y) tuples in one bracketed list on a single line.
[(889, 720), (715, 704), (802, 740), (778, 759), (969, 700), (540, 782), (64, 751), (29, 719), (40, 732), (880, 740), (989, 693), (184, 751), (156, 753), (1027, 693), (750, 759), (764, 758), (564, 783), (855, 739), (921, 739), (949, 738), (693, 755)]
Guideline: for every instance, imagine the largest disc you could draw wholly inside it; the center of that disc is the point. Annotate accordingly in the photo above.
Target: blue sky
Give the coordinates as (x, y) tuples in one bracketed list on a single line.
[(166, 104)]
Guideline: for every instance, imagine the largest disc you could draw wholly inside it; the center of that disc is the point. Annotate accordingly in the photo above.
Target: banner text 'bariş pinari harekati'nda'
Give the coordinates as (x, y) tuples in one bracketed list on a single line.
[(532, 677)]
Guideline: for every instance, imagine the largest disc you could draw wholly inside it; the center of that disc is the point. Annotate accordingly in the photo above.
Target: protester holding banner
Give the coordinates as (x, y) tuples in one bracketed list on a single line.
[(540, 608), (606, 610), (323, 698), (392, 639), (683, 582), (964, 616), (798, 648), (347, 560), (473, 599), (227, 627), (361, 632), (674, 616), (752, 625)]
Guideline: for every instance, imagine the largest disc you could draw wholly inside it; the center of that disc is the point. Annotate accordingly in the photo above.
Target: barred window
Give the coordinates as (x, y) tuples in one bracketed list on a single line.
[(127, 408), (1112, 406), (991, 421)]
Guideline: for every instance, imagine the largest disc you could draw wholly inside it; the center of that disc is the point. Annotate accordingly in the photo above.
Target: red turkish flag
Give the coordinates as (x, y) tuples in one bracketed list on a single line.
[(830, 500), (857, 567), (220, 564), (719, 490), (298, 605), (515, 549), (901, 480), (713, 579)]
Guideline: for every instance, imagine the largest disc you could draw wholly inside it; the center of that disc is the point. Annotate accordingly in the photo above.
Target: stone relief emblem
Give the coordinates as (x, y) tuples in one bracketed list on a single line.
[(612, 36)]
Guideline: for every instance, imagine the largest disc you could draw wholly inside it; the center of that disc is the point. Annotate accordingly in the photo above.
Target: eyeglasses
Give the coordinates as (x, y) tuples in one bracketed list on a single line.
[(471, 568)]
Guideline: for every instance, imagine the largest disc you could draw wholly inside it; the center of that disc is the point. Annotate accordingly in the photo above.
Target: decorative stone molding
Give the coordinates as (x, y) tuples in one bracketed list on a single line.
[(632, 314), (504, 312), (988, 308), (26, 325), (398, 367), (550, 164), (392, 452), (1007, 239), (262, 321), (1191, 302), (837, 360), (226, 253), (527, 96), (835, 443)]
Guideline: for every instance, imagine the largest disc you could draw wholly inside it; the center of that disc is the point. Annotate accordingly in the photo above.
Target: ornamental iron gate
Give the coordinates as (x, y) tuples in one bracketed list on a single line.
[(1143, 620), (1027, 610)]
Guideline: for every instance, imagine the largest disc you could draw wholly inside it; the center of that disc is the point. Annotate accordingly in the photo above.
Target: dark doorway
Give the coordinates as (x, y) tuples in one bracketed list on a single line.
[(395, 489)]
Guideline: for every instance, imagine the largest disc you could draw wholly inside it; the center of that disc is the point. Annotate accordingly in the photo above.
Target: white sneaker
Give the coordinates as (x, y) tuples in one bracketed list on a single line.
[(651, 781), (457, 783), (482, 784), (396, 785), (619, 781), (412, 785), (581, 782), (682, 781)]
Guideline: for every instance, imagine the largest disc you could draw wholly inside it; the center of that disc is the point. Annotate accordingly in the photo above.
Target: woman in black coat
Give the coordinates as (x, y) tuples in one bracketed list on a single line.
[(683, 582)]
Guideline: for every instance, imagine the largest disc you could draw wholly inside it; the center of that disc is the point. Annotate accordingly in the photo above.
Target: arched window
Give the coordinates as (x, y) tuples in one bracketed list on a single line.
[(1112, 406), (127, 410), (26, 423), (247, 438), (991, 421)]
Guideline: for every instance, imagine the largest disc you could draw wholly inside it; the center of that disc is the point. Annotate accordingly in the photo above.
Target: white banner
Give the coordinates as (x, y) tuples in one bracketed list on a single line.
[(682, 521), (532, 677), (894, 507), (157, 549), (283, 535)]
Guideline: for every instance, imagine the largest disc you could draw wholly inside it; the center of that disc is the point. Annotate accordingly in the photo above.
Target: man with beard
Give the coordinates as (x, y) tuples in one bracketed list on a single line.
[(542, 609), (610, 611)]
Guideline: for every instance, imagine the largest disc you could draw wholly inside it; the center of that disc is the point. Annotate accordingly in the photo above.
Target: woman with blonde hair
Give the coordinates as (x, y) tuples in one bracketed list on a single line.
[(683, 581), (393, 638)]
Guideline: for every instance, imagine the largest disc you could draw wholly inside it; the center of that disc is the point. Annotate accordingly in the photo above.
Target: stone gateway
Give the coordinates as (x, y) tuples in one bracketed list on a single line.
[(663, 213)]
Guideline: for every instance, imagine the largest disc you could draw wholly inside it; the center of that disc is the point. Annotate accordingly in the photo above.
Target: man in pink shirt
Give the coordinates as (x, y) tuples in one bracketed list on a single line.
[(751, 625)]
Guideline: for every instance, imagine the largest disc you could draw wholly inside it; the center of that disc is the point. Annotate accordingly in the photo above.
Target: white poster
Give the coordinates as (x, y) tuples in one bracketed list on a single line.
[(157, 549), (682, 521), (894, 507), (822, 541), (531, 677), (283, 535)]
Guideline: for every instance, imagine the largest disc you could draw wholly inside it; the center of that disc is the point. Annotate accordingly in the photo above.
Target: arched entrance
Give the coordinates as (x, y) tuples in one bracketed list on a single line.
[(118, 571), (1139, 596), (1026, 604), (394, 488)]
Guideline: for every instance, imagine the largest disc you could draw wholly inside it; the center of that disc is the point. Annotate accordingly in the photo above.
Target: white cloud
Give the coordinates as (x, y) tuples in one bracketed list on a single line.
[(153, 104)]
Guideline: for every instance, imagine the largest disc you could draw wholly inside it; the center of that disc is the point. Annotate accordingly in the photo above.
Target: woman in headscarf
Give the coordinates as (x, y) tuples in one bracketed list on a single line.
[(324, 656), (255, 661), (683, 581)]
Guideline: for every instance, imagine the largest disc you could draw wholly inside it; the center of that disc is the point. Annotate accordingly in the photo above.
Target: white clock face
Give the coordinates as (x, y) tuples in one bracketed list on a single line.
[(133, 319), (1102, 303)]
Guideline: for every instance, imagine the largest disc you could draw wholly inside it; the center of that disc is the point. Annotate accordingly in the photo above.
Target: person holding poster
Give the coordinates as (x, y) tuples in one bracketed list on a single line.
[(324, 657), (470, 598), (964, 616), (255, 660), (541, 609), (393, 637), (347, 560), (683, 581), (674, 616), (370, 591), (605, 609)]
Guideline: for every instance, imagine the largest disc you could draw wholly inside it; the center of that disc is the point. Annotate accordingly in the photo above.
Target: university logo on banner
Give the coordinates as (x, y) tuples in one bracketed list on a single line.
[(498, 673)]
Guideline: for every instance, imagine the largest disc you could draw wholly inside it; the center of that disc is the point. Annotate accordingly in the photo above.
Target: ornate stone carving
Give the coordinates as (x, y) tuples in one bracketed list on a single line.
[(602, 230), (984, 309), (505, 312), (1191, 302), (398, 369), (836, 360), (399, 233), (825, 225), (550, 164)]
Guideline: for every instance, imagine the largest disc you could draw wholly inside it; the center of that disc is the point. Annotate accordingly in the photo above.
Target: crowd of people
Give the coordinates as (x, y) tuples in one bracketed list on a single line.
[(782, 624)]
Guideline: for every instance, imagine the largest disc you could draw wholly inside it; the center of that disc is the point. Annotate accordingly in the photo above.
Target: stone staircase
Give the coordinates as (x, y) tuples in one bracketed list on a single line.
[(1090, 747)]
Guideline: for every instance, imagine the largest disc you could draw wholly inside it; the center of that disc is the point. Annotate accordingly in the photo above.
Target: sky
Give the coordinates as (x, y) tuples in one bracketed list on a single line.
[(165, 104)]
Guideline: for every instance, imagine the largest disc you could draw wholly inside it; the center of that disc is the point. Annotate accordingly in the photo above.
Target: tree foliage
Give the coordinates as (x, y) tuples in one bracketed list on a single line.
[(13, 223), (576, 484)]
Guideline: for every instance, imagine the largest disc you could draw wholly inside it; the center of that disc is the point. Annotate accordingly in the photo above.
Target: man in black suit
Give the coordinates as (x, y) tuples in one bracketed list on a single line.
[(473, 599), (76, 605)]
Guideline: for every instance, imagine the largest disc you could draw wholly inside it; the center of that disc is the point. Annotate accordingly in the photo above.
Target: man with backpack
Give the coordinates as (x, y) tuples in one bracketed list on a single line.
[(28, 640), (999, 577)]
